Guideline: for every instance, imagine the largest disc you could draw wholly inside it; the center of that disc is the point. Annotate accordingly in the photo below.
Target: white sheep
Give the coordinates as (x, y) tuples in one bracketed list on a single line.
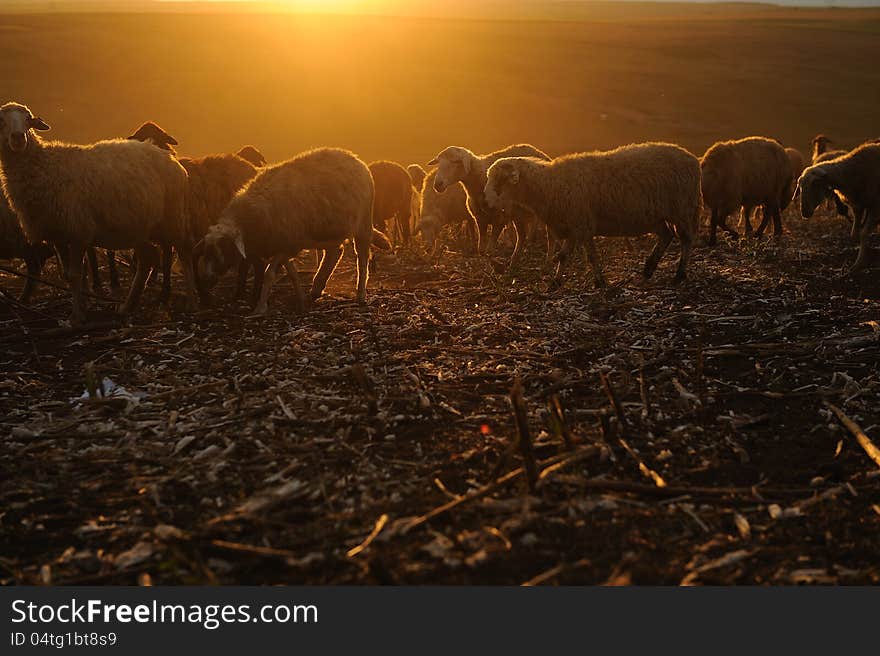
[(457, 164), (630, 191), (319, 199), (112, 194)]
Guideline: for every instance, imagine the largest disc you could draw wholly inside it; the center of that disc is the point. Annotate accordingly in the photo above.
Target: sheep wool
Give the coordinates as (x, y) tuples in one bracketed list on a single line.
[(633, 190)]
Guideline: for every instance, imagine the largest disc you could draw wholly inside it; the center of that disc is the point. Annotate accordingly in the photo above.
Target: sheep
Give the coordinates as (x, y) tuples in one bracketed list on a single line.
[(439, 210), (629, 191), (213, 181), (856, 177), (13, 244), (746, 173), (318, 199), (796, 159), (252, 155), (821, 151), (457, 164), (393, 197), (111, 194), (417, 174)]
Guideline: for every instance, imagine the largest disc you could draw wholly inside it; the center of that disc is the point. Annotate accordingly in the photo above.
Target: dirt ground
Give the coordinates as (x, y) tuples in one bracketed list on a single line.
[(310, 449)]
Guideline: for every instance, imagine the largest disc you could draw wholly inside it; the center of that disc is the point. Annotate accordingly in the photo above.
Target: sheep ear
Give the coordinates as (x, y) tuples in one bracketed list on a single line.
[(36, 123), (239, 244), (434, 162)]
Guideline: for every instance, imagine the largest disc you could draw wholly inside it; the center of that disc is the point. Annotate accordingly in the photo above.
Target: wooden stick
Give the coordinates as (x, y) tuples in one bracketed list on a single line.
[(486, 490), (524, 440), (253, 550), (864, 441), (557, 415), (618, 409), (380, 524)]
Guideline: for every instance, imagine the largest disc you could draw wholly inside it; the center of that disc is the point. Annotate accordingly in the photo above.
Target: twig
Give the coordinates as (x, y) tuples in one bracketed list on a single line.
[(497, 483), (253, 550), (643, 389), (524, 440), (380, 524), (557, 417), (618, 409), (555, 571), (863, 440), (647, 471)]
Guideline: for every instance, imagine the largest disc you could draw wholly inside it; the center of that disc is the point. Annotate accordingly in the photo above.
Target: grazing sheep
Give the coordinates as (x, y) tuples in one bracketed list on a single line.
[(439, 210), (252, 155), (456, 164), (417, 174), (393, 197), (111, 194), (630, 191), (318, 199), (856, 177), (746, 173), (13, 244), (213, 181)]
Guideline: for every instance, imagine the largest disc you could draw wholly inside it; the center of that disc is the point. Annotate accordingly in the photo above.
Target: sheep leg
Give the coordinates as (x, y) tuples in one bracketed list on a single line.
[(595, 263), (492, 242), (167, 258), (95, 270), (664, 238), (259, 273), (747, 219), (76, 252), (841, 207), (187, 261), (34, 264), (146, 259), (268, 280), (867, 231), (241, 280), (858, 217), (519, 232), (293, 274), (713, 226), (687, 243), (362, 250), (322, 275), (111, 267), (482, 243)]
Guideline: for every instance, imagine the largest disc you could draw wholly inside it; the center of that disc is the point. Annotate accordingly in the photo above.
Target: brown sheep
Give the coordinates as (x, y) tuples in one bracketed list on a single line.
[(457, 164), (856, 177), (319, 199), (252, 155), (439, 210), (394, 193), (630, 191), (746, 173)]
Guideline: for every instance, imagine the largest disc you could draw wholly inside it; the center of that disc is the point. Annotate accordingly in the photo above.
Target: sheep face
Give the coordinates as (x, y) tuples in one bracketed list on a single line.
[(814, 189), (501, 185), (216, 254), (16, 122), (454, 164)]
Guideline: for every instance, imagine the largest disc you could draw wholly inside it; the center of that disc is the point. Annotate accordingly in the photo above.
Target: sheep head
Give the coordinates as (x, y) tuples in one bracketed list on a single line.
[(150, 132), (417, 174), (814, 188), (16, 123), (501, 183), (220, 250), (252, 155), (454, 164)]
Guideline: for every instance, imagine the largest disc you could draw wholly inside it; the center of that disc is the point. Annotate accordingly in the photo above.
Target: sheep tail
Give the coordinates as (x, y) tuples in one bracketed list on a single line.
[(379, 239)]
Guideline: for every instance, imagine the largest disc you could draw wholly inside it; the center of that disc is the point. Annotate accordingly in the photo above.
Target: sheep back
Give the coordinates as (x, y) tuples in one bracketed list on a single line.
[(628, 191), (114, 194)]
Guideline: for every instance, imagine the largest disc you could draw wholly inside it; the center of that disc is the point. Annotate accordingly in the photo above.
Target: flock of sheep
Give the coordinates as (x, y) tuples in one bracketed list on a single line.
[(234, 211)]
